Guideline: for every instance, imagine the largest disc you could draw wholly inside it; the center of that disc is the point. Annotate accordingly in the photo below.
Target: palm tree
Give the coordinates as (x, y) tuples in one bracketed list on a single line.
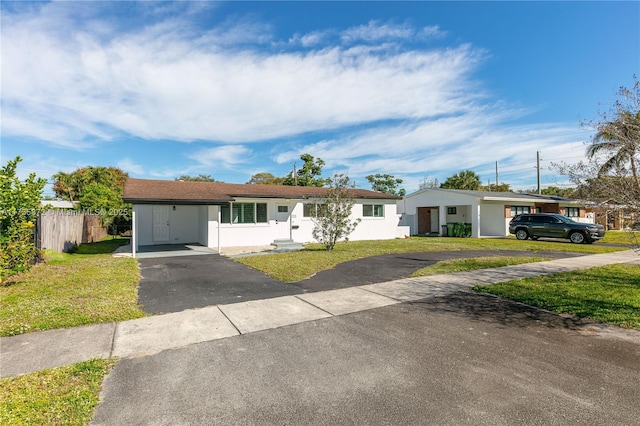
[(620, 140)]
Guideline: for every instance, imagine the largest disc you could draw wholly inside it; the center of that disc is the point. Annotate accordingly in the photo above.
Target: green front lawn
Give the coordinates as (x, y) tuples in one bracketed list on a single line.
[(60, 396), (609, 294), (296, 266), (85, 287)]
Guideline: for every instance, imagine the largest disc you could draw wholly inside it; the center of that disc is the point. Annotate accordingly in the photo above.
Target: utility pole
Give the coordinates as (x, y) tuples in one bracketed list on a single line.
[(497, 181), (295, 176), (538, 168)]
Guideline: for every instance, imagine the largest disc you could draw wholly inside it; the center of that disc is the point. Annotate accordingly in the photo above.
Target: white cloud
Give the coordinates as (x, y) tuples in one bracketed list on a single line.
[(475, 141), (375, 31), (432, 31), (159, 83), (227, 156), (128, 165)]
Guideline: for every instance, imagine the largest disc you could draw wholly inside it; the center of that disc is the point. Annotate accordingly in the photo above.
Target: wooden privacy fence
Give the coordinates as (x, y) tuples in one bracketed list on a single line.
[(61, 230)]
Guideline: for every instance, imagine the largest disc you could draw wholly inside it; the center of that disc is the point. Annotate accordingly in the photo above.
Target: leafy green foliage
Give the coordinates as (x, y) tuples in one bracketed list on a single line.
[(503, 187), (19, 205), (66, 395), (199, 178), (97, 190), (387, 184), (335, 223), (266, 179), (310, 174), (466, 179)]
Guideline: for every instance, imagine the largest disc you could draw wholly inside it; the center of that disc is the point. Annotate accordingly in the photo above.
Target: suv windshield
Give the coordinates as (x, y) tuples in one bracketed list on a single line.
[(565, 219)]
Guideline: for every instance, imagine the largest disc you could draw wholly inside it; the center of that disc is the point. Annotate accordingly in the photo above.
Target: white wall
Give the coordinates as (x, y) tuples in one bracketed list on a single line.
[(188, 224), (492, 220), (184, 224)]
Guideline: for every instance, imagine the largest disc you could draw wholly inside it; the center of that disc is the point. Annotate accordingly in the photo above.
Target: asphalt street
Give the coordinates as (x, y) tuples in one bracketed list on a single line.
[(459, 359)]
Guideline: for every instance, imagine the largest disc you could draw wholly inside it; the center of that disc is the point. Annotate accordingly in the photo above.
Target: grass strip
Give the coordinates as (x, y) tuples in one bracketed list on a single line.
[(609, 294), (296, 266), (60, 396), (474, 263)]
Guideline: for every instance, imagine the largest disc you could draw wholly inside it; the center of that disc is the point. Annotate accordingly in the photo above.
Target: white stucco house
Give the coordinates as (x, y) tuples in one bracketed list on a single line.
[(219, 215), (488, 213)]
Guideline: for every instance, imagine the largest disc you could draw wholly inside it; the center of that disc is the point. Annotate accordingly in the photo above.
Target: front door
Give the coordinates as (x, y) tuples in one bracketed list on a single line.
[(283, 224), (424, 220), (160, 224)]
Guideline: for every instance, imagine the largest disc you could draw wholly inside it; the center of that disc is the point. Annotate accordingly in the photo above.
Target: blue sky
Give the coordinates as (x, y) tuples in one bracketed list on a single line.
[(230, 89)]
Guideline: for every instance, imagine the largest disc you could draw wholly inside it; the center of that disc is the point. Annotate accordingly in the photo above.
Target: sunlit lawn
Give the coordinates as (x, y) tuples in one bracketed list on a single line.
[(610, 293), (60, 396), (296, 266), (86, 287)]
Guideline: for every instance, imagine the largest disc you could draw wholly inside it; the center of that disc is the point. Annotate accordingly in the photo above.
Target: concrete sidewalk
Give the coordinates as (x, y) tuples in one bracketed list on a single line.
[(145, 336)]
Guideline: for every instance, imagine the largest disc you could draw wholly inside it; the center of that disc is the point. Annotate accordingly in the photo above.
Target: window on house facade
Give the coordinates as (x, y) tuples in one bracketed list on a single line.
[(313, 210), (283, 209), (451, 210), (244, 213), (516, 210), (373, 210), (573, 211)]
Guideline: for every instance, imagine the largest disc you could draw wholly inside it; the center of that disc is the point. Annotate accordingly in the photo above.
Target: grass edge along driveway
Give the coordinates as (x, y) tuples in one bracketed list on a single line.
[(89, 286), (296, 266)]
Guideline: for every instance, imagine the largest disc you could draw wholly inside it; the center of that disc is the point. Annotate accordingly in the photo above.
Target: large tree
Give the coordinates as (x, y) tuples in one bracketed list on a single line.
[(492, 187), (613, 155), (264, 178), (310, 174), (387, 184), (96, 190), (466, 179), (617, 136), (333, 221), (199, 178)]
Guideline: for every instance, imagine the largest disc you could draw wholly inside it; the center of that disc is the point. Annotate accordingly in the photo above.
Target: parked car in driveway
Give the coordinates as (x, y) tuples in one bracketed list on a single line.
[(536, 225)]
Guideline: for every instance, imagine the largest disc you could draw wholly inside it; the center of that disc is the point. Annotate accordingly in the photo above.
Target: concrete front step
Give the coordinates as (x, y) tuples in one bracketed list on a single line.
[(284, 245)]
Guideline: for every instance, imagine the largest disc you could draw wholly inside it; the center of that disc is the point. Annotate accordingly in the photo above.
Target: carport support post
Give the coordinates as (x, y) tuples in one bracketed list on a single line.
[(219, 227), (134, 240), (475, 220)]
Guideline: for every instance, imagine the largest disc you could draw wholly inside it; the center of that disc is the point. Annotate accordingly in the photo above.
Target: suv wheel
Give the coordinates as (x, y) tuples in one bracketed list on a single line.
[(522, 234), (577, 237)]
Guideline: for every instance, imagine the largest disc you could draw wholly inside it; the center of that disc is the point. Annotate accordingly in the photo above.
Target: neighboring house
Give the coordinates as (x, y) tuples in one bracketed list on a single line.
[(230, 215), (612, 214), (487, 213)]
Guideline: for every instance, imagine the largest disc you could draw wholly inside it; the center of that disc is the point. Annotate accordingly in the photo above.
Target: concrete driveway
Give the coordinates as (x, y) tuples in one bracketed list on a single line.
[(459, 359), (173, 284)]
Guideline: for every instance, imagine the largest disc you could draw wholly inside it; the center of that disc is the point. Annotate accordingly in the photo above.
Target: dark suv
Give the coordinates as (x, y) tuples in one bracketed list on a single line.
[(535, 225)]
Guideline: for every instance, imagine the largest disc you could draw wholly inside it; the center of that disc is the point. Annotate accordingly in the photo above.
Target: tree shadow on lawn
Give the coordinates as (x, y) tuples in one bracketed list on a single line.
[(487, 308)]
